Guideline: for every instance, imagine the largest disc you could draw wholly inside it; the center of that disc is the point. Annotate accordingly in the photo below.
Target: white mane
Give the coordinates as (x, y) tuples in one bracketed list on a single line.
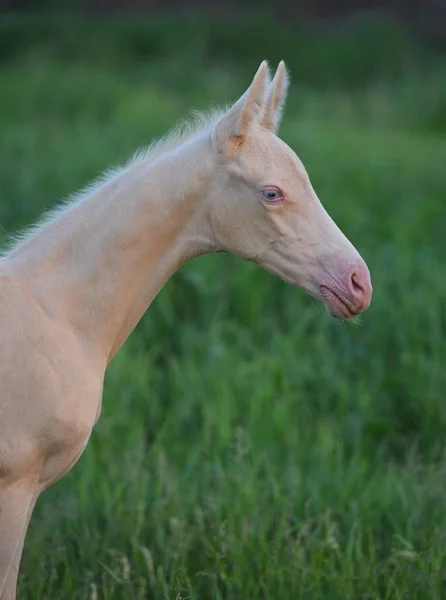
[(182, 132)]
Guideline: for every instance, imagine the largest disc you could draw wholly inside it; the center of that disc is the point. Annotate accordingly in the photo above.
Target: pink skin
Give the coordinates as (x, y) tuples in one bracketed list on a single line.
[(349, 293)]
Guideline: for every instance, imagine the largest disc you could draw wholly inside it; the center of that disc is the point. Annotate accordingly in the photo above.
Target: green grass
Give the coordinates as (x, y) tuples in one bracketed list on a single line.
[(250, 447)]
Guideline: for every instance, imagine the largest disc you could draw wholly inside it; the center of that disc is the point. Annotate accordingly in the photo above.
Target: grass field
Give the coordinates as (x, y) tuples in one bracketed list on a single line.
[(250, 447)]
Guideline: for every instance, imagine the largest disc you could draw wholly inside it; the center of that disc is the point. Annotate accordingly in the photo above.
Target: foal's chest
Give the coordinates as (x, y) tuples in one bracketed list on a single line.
[(50, 392)]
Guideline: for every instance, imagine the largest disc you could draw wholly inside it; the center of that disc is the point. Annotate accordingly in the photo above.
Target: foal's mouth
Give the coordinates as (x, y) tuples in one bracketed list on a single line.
[(337, 306)]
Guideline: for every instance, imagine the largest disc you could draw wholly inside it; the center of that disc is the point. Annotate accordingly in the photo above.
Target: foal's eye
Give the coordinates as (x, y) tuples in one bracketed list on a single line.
[(272, 194)]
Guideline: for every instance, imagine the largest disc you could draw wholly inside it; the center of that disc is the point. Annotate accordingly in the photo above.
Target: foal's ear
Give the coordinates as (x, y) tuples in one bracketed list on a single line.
[(275, 99), (247, 110)]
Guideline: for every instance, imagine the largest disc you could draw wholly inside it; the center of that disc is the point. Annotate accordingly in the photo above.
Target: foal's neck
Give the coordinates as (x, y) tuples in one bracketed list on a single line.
[(98, 265)]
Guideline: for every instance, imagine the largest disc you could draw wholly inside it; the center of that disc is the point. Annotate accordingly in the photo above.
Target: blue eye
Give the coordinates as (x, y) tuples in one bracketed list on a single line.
[(272, 194)]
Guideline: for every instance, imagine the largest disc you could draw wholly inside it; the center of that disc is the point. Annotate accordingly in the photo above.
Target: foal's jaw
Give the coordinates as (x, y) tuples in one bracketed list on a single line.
[(343, 284)]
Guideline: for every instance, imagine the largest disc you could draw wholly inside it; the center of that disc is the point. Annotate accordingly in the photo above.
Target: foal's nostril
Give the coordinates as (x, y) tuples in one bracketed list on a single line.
[(357, 287), (360, 285)]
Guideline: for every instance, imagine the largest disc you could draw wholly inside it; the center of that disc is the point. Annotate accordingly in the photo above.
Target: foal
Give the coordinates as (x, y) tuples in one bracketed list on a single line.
[(73, 288)]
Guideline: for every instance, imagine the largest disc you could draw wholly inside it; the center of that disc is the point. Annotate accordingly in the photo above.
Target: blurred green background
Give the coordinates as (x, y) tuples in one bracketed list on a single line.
[(250, 447)]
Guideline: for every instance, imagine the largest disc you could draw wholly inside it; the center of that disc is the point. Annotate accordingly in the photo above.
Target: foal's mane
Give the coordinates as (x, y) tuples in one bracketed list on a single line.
[(184, 131)]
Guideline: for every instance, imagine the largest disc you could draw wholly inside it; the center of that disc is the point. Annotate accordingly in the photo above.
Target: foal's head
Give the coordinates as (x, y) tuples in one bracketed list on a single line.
[(263, 207)]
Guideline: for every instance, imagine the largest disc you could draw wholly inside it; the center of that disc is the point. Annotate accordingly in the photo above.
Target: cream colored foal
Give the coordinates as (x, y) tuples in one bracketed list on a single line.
[(74, 287)]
